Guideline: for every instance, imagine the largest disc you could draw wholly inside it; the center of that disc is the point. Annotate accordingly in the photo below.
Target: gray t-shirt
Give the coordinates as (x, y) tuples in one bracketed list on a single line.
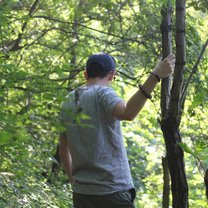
[(99, 161)]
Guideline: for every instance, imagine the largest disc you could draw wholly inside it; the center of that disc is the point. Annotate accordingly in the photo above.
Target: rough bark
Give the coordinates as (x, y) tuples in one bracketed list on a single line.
[(174, 107), (166, 183), (173, 137), (171, 113), (206, 182), (166, 31), (175, 157)]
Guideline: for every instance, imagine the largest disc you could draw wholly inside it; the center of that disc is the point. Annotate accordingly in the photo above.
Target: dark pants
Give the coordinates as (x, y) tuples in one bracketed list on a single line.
[(121, 199)]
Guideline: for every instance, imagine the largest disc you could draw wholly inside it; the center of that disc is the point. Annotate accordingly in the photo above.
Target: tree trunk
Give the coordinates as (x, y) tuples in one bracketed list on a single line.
[(166, 183), (166, 31), (175, 157), (206, 182), (171, 115)]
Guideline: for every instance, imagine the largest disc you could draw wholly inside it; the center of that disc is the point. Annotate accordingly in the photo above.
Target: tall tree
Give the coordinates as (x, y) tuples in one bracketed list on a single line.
[(171, 110), (173, 99), (166, 31), (40, 61)]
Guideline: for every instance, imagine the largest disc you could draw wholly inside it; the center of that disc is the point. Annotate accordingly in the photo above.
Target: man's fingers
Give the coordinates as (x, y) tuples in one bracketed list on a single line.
[(170, 60), (170, 57)]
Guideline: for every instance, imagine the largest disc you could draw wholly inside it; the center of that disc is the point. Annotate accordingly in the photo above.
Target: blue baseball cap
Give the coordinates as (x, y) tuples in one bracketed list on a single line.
[(106, 61)]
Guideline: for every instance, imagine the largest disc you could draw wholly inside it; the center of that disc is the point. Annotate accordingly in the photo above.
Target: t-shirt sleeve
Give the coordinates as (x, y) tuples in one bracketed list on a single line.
[(108, 99)]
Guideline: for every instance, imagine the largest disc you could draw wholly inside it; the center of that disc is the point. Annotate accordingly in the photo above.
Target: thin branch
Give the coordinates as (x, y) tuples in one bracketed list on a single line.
[(199, 164), (34, 90), (60, 79), (194, 69), (58, 29), (126, 75), (15, 45), (127, 83), (37, 39), (90, 28), (33, 8), (80, 34)]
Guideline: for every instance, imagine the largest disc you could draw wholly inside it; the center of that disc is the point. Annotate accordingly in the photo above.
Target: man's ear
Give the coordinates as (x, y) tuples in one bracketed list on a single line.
[(85, 74), (111, 76)]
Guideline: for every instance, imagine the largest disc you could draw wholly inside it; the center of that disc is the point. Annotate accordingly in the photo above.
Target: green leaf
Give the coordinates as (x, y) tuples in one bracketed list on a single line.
[(5, 137), (21, 74)]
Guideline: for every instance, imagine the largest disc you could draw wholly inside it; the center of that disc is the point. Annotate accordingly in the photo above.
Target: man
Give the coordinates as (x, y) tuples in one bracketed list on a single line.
[(92, 148)]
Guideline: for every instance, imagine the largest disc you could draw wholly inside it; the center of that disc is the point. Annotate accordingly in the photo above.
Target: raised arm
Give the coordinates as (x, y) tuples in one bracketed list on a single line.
[(129, 110)]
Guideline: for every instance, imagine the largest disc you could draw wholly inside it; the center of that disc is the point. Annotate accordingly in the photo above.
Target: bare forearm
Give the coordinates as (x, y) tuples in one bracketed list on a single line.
[(65, 156), (67, 163), (130, 110), (137, 101)]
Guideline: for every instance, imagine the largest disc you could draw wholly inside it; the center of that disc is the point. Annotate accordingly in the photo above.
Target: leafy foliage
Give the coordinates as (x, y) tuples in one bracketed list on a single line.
[(43, 49)]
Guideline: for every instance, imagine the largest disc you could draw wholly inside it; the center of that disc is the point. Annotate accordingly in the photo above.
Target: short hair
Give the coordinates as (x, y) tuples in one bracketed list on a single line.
[(96, 70)]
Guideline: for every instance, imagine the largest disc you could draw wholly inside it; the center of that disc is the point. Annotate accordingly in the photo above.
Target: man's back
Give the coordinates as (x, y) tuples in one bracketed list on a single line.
[(99, 158)]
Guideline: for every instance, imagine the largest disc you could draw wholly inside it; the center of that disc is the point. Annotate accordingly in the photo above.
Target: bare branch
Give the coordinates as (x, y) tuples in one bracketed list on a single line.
[(127, 83), (38, 38), (194, 69), (15, 45), (126, 75), (35, 90), (90, 28)]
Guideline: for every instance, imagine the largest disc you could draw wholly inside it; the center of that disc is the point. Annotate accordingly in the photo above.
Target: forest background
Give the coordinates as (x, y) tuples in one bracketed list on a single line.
[(43, 49)]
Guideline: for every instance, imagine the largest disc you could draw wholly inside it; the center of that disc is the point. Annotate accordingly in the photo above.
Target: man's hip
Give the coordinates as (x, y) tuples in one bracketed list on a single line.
[(120, 199)]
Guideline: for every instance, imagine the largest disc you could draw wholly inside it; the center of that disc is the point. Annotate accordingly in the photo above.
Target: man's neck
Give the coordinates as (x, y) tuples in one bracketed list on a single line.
[(97, 81)]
